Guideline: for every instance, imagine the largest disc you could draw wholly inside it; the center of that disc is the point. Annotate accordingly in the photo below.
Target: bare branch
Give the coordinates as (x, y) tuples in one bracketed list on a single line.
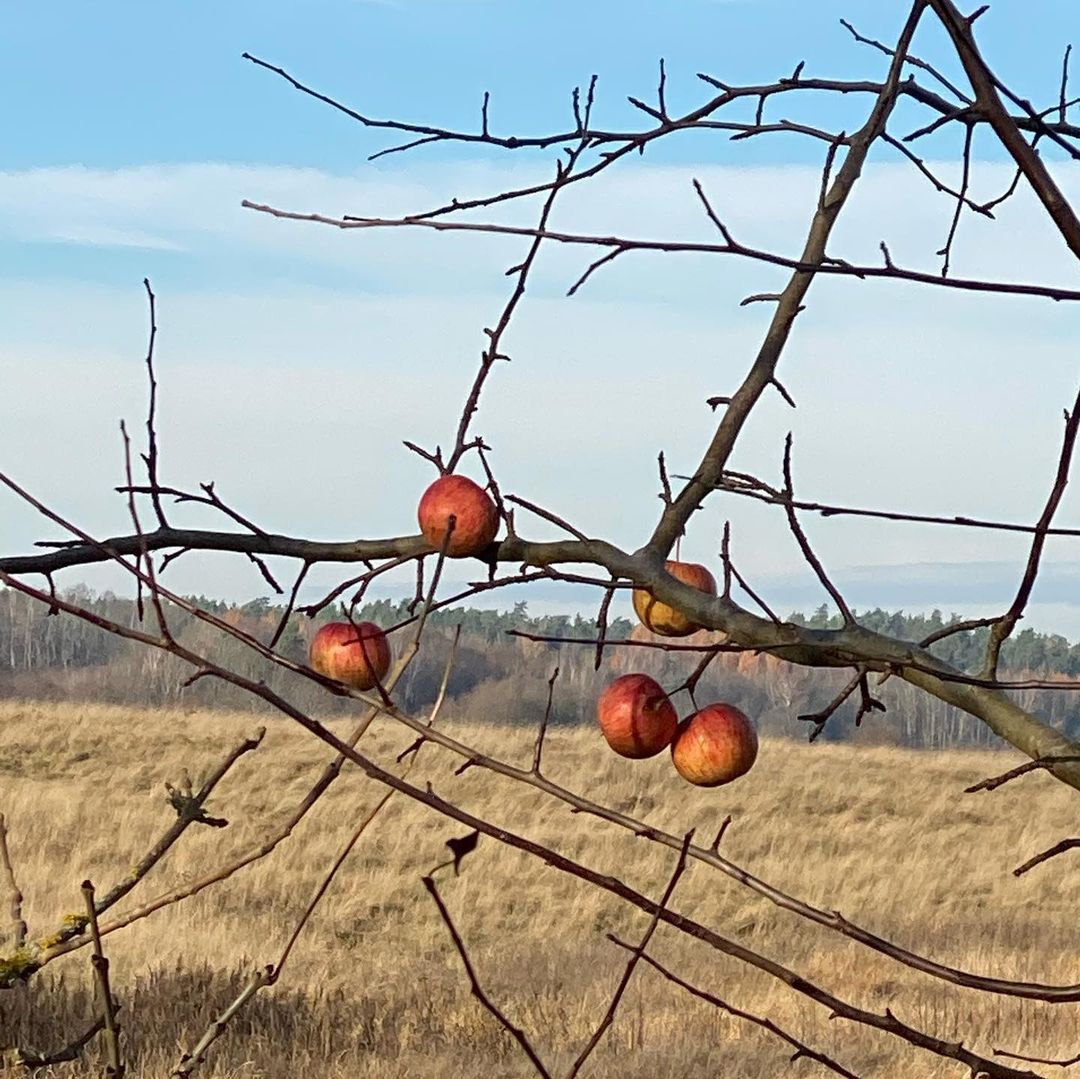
[(961, 200), (115, 1068), (1046, 855), (539, 748), (636, 954), (1007, 131), (474, 983), (914, 61), (72, 1051), (190, 1061), (802, 1050), (798, 266), (804, 544), (1001, 629), (1063, 104), (7, 874), (151, 456), (1014, 773), (287, 613)]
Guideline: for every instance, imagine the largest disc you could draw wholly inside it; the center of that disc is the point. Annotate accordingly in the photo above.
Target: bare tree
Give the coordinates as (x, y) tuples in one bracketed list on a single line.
[(582, 151)]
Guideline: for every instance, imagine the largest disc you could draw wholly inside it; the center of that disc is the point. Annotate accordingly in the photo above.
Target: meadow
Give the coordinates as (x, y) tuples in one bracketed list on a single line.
[(375, 989)]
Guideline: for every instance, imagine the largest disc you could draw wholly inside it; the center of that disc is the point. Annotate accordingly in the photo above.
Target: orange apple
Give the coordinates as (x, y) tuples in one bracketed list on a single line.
[(714, 746), (476, 520), (636, 716), (358, 655), (660, 617)]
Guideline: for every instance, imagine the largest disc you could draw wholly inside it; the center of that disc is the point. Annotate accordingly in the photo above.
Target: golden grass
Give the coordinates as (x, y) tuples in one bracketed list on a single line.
[(375, 989)]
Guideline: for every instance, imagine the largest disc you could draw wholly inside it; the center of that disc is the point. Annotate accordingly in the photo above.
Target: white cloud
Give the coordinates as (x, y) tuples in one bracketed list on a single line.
[(294, 394)]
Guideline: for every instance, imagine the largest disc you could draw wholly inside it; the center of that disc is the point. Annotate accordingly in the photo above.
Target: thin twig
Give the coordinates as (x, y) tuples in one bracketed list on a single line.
[(18, 925), (115, 1068), (474, 983), (190, 1061), (72, 1051), (151, 456), (994, 782), (1046, 855), (728, 247), (801, 1048), (635, 955), (538, 750), (1004, 627), (804, 543), (965, 179)]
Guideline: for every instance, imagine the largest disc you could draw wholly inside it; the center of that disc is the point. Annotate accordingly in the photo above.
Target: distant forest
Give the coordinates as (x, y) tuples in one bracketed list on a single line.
[(502, 677)]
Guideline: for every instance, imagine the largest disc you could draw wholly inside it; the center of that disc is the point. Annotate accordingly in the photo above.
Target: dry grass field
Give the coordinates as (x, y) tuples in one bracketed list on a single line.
[(375, 988)]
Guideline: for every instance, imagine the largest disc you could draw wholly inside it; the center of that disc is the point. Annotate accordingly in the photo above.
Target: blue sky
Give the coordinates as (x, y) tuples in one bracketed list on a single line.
[(139, 129), (123, 82)]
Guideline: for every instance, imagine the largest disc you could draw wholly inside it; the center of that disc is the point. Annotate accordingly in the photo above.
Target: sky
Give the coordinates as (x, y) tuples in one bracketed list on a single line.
[(294, 359)]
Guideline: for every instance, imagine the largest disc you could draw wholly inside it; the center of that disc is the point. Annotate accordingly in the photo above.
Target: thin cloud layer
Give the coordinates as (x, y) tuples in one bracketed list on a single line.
[(294, 359)]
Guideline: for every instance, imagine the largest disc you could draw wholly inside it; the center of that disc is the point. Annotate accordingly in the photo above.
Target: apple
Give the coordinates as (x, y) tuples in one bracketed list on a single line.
[(636, 716), (476, 520), (660, 617), (356, 654), (714, 746)]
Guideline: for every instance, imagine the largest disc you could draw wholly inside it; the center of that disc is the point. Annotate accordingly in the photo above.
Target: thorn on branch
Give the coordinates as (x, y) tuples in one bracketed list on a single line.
[(409, 750), (782, 390), (714, 846)]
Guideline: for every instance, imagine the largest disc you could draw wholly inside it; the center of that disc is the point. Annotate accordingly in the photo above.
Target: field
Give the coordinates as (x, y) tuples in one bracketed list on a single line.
[(375, 989)]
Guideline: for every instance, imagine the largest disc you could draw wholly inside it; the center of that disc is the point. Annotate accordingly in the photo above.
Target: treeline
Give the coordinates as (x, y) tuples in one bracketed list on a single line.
[(497, 675), (1045, 653)]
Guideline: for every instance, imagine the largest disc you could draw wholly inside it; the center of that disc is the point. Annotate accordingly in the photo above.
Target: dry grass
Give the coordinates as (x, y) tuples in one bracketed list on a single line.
[(375, 989)]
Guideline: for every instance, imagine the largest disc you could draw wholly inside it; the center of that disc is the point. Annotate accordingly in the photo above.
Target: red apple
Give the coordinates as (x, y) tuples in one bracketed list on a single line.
[(476, 520), (636, 716), (664, 619), (714, 746), (358, 655)]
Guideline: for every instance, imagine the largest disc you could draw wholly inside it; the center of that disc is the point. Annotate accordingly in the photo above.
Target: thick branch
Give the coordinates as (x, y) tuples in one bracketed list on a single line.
[(763, 371), (1006, 127)]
